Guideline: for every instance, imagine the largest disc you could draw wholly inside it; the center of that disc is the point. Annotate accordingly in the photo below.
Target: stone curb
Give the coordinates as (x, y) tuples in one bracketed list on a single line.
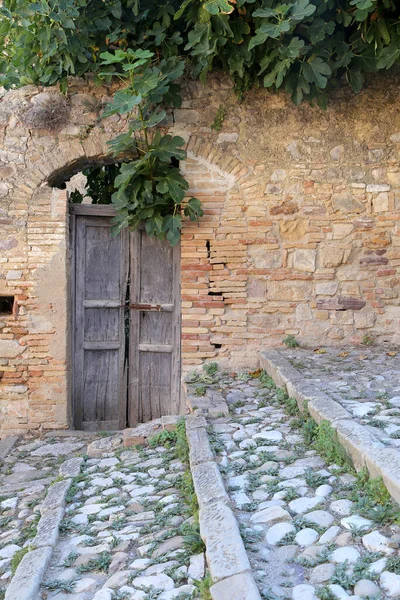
[(363, 447), (30, 572), (225, 552)]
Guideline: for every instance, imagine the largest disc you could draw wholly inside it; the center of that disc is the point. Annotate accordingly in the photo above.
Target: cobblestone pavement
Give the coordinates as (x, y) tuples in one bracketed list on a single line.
[(311, 528), (123, 535), (365, 381), (25, 476)]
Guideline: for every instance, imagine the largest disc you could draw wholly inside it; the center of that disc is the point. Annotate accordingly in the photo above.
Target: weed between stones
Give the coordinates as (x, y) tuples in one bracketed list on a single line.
[(302, 441)]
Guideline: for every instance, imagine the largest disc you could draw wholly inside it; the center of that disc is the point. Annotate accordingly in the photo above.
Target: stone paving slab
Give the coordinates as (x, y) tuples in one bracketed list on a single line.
[(237, 587), (199, 448), (7, 444), (208, 483), (28, 578), (226, 555)]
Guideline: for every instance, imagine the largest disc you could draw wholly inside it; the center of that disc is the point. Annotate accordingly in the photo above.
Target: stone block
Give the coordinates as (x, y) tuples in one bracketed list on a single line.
[(272, 188), (380, 202), (322, 408), (284, 208), (337, 152), (364, 320), (347, 203), (394, 178), (108, 444), (227, 138), (208, 484), (242, 586), (304, 260), (141, 433), (376, 188), (265, 259), (7, 444), (291, 291), (13, 274), (385, 463), (294, 230), (226, 555), (71, 467), (55, 496), (357, 440), (194, 422), (303, 313), (48, 526), (26, 582), (331, 256), (326, 288), (341, 230), (340, 303), (169, 422), (10, 348), (278, 175), (199, 447), (185, 116)]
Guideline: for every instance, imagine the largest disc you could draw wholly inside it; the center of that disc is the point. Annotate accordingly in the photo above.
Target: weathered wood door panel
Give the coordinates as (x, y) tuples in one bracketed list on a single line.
[(126, 324), (99, 338), (154, 379)]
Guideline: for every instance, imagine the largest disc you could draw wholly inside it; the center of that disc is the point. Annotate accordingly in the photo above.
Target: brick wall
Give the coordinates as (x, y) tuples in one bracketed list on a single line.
[(300, 233)]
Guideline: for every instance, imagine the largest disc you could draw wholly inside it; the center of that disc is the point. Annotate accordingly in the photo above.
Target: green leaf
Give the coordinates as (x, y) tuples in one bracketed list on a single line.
[(258, 39), (355, 79), (118, 57), (155, 119), (147, 81), (166, 147), (297, 86), (154, 226), (293, 50), (274, 30), (265, 13), (193, 209), (126, 172), (172, 226), (315, 70), (214, 7), (383, 31), (197, 35), (123, 102), (174, 184), (363, 4), (302, 9), (388, 56), (121, 143)]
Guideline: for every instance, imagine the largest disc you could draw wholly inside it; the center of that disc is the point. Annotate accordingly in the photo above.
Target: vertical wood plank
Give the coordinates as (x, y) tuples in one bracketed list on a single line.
[(135, 411), (176, 361), (124, 274), (79, 321)]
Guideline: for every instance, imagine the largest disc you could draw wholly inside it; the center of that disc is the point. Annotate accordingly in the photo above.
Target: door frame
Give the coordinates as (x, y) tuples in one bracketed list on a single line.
[(106, 210)]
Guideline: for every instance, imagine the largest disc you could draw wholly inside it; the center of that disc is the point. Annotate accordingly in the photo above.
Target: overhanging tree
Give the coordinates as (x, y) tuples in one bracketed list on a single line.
[(307, 47)]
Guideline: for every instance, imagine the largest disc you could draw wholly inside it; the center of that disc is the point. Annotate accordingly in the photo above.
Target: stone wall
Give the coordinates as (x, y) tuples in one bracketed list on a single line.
[(300, 234)]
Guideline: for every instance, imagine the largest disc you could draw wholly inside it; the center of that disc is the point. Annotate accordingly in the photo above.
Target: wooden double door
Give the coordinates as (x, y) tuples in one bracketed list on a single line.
[(125, 323)]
